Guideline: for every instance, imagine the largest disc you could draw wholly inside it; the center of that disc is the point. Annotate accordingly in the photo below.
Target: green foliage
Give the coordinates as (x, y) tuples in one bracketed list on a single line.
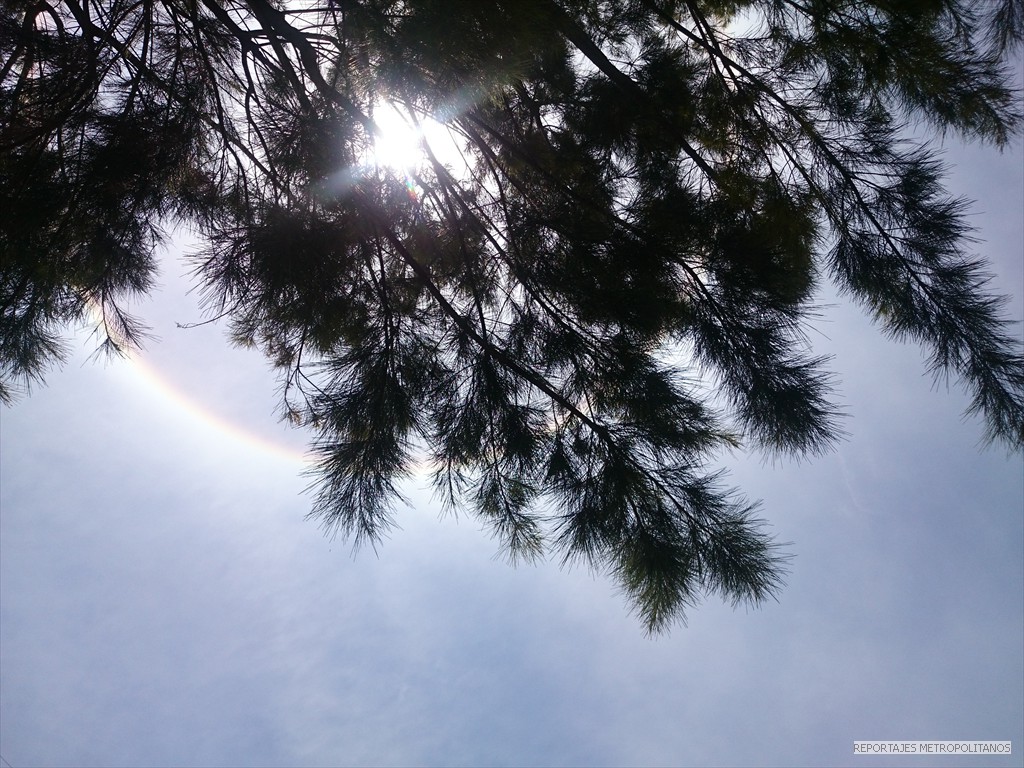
[(641, 182)]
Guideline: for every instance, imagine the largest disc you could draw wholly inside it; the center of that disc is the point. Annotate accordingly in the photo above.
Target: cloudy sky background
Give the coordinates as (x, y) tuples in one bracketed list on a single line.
[(163, 601)]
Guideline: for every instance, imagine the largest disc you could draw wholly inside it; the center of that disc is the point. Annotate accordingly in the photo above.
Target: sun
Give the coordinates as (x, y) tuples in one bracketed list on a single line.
[(402, 143), (399, 142)]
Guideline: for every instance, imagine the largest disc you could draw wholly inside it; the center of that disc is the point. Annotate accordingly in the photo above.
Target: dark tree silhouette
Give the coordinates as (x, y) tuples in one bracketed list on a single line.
[(607, 287)]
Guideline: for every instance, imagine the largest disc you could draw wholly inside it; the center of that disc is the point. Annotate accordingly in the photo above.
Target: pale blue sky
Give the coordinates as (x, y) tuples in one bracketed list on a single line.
[(163, 602)]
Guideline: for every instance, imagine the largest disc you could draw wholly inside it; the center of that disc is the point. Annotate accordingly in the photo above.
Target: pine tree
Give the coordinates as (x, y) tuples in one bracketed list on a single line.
[(571, 318)]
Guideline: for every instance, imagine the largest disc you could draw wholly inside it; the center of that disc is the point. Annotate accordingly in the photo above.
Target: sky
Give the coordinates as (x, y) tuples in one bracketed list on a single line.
[(163, 601)]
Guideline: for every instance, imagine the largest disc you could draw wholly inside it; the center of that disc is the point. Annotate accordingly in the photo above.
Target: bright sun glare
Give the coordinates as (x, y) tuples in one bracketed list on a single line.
[(399, 145)]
